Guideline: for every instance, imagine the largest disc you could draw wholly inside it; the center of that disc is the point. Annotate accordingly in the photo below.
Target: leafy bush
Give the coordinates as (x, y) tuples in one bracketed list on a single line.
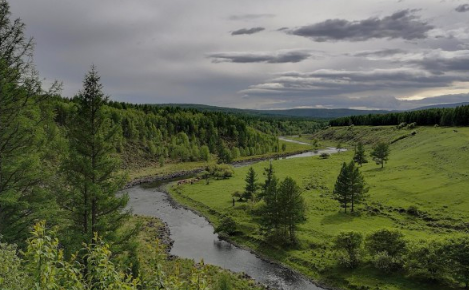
[(413, 210), (220, 171), (384, 262), (227, 226), (324, 155), (387, 248), (349, 244)]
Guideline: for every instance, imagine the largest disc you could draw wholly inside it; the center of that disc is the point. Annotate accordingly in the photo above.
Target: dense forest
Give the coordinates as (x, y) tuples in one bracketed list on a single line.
[(458, 116)]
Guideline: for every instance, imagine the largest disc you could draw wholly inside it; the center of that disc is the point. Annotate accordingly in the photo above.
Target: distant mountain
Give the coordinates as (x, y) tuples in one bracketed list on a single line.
[(295, 113), (441, 106)]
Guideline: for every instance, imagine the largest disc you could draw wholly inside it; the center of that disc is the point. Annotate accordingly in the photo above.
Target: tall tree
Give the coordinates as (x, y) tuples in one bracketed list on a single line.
[(360, 156), (270, 211), (24, 113), (350, 187), (380, 153), (92, 169), (292, 206), (251, 184), (269, 173)]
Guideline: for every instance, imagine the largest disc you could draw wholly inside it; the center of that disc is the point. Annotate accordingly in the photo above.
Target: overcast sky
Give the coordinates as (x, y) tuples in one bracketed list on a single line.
[(259, 54)]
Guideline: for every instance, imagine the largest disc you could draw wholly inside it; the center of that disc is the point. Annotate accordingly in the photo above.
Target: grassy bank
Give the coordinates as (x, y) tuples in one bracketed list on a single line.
[(427, 170)]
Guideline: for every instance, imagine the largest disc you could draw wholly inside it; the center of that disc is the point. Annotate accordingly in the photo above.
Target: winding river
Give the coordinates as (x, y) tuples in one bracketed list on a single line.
[(194, 238)]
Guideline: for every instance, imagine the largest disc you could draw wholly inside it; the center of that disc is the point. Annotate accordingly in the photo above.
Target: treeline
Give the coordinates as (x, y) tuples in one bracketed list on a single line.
[(164, 134), (458, 116)]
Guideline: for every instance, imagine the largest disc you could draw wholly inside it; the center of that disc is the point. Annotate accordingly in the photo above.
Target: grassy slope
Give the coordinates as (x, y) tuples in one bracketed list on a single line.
[(428, 170)]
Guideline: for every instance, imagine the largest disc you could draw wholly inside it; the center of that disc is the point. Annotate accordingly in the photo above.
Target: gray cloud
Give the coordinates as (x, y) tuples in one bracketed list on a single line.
[(462, 8), (402, 24), (261, 57), (380, 53), (247, 31), (250, 16)]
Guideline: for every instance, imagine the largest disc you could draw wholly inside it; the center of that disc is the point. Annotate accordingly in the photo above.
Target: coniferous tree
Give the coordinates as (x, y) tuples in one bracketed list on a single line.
[(92, 169), (251, 184), (360, 156), (269, 173), (292, 207), (350, 187), (380, 153), (270, 211), (24, 114)]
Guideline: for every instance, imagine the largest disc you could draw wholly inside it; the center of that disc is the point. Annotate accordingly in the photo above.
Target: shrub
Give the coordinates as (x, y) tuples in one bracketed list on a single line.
[(349, 244), (413, 210), (412, 125), (324, 155), (227, 226), (220, 171), (384, 262), (387, 248)]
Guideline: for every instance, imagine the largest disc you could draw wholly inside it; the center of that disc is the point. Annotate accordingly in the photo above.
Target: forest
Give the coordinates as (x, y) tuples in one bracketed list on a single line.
[(458, 116)]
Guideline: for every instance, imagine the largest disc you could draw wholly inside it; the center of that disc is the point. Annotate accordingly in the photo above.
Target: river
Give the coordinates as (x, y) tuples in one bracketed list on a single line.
[(194, 239)]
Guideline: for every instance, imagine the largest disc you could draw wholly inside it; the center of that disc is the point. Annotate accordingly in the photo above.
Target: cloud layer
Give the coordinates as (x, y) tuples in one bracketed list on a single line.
[(260, 57), (247, 31), (403, 24)]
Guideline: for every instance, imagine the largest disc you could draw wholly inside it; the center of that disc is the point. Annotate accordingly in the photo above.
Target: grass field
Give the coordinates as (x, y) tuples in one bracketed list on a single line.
[(429, 170)]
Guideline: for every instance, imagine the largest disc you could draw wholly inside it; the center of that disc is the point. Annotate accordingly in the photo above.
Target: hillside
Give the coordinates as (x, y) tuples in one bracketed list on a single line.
[(427, 172)]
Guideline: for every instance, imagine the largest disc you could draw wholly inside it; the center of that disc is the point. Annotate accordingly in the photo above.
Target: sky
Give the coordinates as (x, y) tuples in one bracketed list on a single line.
[(257, 54)]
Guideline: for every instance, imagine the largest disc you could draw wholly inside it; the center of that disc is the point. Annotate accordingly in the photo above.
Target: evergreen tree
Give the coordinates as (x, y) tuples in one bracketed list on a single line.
[(251, 185), (92, 170), (360, 156), (24, 116), (269, 173), (380, 153), (292, 207), (350, 187), (270, 211)]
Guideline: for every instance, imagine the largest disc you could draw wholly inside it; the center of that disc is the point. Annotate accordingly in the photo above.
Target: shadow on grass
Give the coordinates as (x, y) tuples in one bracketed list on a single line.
[(338, 218)]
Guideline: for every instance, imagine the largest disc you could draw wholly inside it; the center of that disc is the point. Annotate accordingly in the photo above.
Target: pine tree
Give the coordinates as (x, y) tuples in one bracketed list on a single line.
[(92, 170), (350, 187), (380, 153), (360, 156), (251, 185), (291, 207), (270, 211), (24, 114), (269, 173)]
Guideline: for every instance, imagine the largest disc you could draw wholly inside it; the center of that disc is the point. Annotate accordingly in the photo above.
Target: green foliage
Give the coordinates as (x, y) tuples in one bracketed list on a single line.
[(92, 171), (26, 132), (387, 248), (360, 156), (427, 260), (11, 274), (250, 188), (380, 153), (350, 243), (292, 207), (227, 226), (442, 116), (220, 171), (324, 155), (456, 250), (350, 187)]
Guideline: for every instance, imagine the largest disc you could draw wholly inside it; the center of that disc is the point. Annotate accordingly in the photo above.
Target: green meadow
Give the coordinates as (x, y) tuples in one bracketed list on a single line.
[(428, 169)]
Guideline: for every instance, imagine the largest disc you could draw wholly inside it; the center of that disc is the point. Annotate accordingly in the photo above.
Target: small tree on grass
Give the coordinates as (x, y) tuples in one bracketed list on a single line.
[(350, 243), (292, 206), (380, 153), (360, 156), (350, 187), (457, 251), (251, 184)]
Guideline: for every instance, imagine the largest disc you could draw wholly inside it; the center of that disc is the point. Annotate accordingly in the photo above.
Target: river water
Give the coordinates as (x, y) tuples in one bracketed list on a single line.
[(194, 239)]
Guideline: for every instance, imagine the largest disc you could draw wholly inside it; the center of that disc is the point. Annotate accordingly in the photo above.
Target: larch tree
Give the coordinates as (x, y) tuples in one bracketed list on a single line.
[(380, 153), (250, 188), (350, 187), (25, 121), (360, 156), (92, 169), (292, 207)]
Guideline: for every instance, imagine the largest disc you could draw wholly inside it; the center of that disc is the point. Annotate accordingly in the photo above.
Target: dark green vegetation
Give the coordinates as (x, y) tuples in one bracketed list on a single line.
[(458, 116), (410, 225), (295, 114)]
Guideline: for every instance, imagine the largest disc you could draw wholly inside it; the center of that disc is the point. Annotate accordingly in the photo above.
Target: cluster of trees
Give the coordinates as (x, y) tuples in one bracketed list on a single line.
[(387, 250), (281, 205), (350, 188), (458, 116)]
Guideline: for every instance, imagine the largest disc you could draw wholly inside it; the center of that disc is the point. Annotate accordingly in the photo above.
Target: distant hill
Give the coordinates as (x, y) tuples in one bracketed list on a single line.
[(441, 106), (296, 113)]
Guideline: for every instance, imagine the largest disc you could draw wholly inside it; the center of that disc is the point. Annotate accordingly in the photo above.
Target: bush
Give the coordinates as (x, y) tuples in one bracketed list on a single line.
[(387, 248), (220, 171), (401, 125), (349, 244), (412, 125), (413, 210), (324, 155), (227, 226)]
